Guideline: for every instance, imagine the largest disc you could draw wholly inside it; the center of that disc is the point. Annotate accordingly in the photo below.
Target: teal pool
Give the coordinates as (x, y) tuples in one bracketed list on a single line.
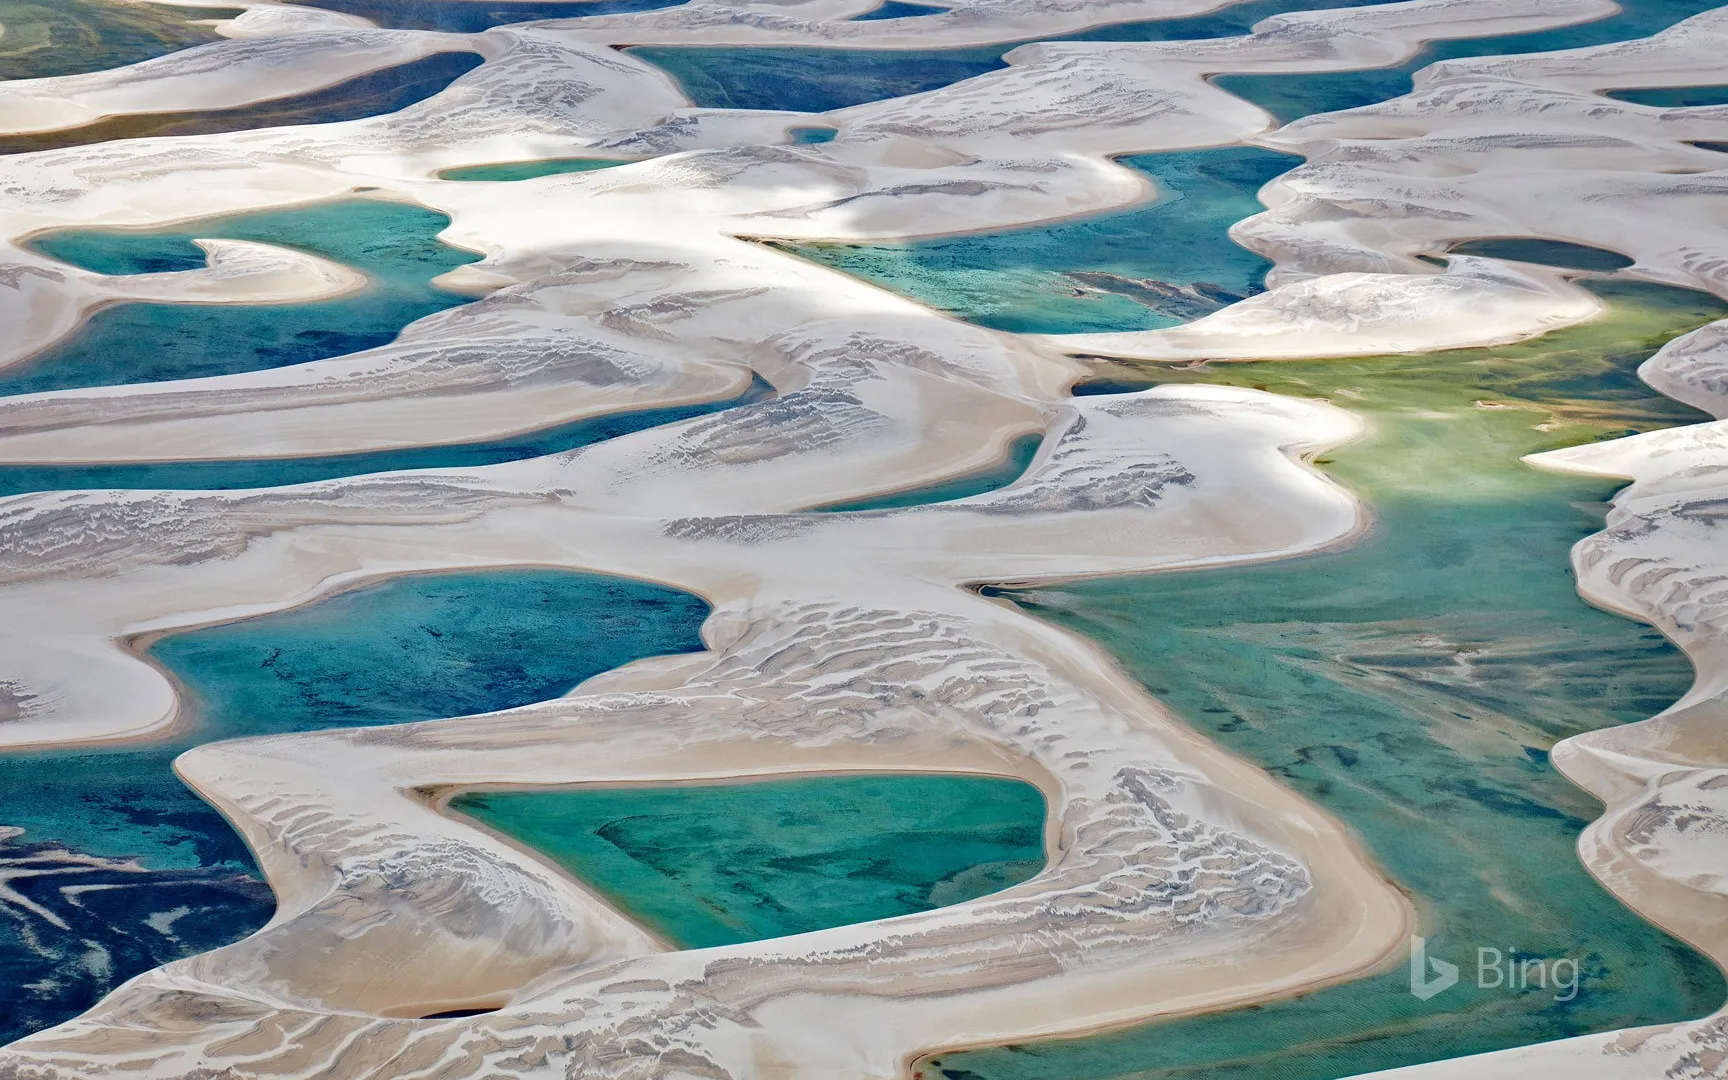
[(1157, 264), (716, 864), (395, 244), (423, 647), (1412, 685)]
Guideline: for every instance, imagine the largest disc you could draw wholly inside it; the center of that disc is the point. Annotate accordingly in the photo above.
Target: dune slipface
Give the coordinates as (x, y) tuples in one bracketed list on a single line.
[(553, 311)]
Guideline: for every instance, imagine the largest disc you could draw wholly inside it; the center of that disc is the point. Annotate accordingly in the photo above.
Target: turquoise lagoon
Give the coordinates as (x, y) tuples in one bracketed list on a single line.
[(1156, 264), (409, 649), (425, 646), (371, 94), (716, 864), (394, 244), (1413, 685)]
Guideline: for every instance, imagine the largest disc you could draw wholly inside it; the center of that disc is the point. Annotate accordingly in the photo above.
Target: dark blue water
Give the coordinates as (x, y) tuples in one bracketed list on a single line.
[(1290, 96), (1157, 264), (809, 136), (896, 9), (394, 244), (472, 16), (410, 649), (278, 472), (372, 94), (1674, 97), (1020, 454)]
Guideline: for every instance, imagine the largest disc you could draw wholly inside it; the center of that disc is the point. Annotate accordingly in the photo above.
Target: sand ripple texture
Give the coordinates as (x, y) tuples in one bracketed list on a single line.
[(1178, 877)]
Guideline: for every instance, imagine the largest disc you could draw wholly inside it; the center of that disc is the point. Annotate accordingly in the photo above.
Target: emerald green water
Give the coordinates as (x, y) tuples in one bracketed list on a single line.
[(527, 170), (69, 37), (704, 865), (1021, 451), (394, 244), (1158, 264), (1413, 685)]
